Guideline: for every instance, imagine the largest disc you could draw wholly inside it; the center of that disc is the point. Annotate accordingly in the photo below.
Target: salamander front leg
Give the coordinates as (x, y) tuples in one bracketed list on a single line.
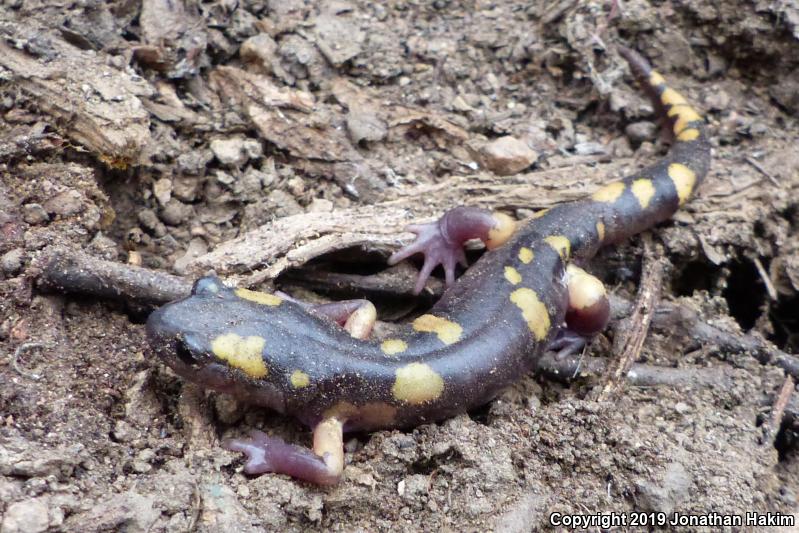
[(442, 241), (356, 316), (322, 466), (588, 312)]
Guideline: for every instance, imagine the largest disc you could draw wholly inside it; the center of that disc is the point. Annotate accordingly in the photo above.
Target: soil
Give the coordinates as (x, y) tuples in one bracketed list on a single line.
[(153, 132)]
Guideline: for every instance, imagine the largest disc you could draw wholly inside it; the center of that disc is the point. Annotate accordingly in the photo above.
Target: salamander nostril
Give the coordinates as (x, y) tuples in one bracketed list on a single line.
[(184, 353)]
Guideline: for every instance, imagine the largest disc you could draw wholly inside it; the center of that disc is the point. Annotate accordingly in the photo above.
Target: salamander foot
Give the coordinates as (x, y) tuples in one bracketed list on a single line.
[(567, 343), (442, 241), (322, 466)]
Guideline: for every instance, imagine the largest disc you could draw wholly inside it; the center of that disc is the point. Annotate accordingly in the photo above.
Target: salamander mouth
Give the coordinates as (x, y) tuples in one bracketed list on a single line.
[(184, 353)]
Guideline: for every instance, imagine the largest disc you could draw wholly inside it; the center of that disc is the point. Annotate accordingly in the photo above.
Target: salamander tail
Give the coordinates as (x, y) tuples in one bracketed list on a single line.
[(691, 147)]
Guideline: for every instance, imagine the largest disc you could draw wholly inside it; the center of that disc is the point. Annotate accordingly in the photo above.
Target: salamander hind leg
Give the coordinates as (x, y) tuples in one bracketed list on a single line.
[(322, 466), (588, 311), (442, 241)]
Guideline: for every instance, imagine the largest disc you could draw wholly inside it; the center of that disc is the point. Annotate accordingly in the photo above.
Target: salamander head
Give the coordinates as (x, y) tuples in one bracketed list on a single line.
[(212, 338)]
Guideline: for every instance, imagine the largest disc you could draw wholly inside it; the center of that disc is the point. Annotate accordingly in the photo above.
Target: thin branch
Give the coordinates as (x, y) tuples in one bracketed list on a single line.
[(778, 411), (67, 271), (640, 375), (632, 332)]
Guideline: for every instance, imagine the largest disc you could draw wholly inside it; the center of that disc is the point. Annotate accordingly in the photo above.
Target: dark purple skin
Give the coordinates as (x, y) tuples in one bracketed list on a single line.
[(496, 345)]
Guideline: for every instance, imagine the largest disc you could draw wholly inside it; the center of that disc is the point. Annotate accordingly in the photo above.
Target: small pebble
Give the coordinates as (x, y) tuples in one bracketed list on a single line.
[(11, 262), (162, 190), (639, 132), (149, 221), (34, 214), (365, 126), (29, 516), (236, 151), (506, 155), (65, 204), (175, 212)]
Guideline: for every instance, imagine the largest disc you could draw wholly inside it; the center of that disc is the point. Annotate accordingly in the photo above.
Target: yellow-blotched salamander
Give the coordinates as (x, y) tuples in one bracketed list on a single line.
[(490, 326)]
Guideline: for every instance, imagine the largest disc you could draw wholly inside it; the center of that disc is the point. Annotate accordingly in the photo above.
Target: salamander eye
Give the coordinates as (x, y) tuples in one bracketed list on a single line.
[(207, 286)]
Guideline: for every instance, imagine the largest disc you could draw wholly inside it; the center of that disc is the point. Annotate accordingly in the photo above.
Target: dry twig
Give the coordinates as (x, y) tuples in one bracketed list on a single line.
[(63, 270), (640, 375), (778, 411), (632, 331)]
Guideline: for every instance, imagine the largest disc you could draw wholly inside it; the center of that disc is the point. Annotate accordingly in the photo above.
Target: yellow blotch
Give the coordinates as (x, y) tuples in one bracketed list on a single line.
[(689, 134), (671, 97), (585, 290), (539, 214), (299, 379), (684, 180), (262, 298), (448, 331), (655, 79), (609, 193), (525, 255), (561, 245), (533, 310), (685, 114), (417, 383), (600, 230), (643, 190), (501, 232), (512, 275), (244, 353), (393, 346)]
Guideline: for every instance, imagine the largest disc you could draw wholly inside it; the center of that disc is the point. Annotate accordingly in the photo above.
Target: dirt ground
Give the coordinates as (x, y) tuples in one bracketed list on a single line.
[(250, 138)]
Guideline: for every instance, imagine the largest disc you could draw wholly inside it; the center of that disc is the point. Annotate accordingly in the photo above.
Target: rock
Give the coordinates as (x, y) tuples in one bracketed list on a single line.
[(11, 262), (28, 516), (141, 403), (222, 509), (365, 126), (589, 148), (249, 184), (236, 151), (124, 432), (639, 132), (104, 246), (194, 161), (149, 221), (666, 494), (413, 487), (283, 204), (129, 511), (175, 213), (22, 458), (65, 204), (338, 38), (260, 49), (34, 214), (717, 100), (786, 92), (162, 190), (186, 188), (506, 155)]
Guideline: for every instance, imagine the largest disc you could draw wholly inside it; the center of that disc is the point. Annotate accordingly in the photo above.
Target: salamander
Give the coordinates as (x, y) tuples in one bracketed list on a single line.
[(523, 296)]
